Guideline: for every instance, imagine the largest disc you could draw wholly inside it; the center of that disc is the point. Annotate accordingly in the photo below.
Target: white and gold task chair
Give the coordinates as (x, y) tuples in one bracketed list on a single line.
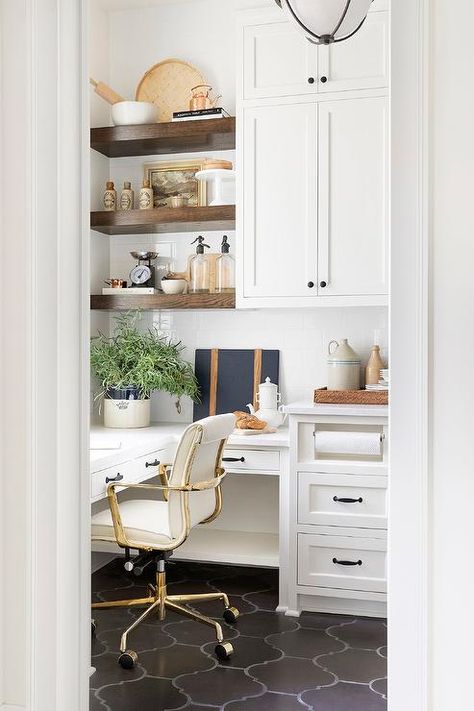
[(191, 495)]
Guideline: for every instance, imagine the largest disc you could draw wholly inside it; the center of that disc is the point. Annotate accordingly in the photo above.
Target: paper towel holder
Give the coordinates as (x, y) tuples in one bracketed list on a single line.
[(382, 434)]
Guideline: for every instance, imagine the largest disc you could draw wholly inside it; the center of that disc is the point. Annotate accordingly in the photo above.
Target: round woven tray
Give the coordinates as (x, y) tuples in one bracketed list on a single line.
[(168, 85)]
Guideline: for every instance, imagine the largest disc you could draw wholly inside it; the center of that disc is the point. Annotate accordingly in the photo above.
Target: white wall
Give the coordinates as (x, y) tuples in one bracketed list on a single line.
[(204, 33), (452, 348)]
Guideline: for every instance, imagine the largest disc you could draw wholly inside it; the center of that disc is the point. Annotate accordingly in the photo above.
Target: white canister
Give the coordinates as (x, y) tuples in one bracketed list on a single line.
[(343, 366)]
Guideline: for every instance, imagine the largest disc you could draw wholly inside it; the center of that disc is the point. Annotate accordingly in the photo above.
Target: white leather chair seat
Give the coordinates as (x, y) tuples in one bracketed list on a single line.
[(145, 522)]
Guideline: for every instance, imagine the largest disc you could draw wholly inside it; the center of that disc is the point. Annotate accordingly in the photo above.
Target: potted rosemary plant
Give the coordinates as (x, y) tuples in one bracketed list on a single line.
[(131, 364)]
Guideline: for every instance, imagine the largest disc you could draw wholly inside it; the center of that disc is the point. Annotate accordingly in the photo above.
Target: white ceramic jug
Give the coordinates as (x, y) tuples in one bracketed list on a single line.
[(269, 400), (343, 367)]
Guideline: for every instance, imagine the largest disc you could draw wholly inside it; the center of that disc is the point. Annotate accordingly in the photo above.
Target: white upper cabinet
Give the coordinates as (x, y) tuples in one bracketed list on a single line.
[(279, 202), (277, 61), (353, 196), (361, 62), (312, 164)]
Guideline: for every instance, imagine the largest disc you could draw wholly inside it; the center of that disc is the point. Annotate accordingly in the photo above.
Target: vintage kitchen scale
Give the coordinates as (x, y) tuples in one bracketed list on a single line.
[(143, 275)]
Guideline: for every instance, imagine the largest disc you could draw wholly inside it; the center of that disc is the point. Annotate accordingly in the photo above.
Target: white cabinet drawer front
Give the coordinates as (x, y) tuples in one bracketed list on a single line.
[(361, 62), (100, 480), (342, 562), (278, 61), (147, 466), (250, 460), (130, 472), (342, 500)]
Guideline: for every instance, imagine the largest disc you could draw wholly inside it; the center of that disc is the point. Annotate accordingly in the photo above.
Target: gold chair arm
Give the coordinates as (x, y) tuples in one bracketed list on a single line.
[(186, 488), (120, 536), (163, 472)]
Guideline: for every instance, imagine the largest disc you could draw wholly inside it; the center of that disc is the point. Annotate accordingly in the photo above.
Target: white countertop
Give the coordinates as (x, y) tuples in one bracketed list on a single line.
[(110, 447), (309, 408)]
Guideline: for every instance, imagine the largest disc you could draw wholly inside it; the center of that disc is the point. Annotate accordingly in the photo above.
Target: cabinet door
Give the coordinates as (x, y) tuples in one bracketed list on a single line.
[(277, 61), (279, 175), (361, 62), (353, 197)]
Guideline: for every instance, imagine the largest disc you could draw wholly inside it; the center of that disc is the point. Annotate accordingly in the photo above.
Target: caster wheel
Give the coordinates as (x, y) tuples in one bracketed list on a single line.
[(128, 659), (224, 650), (93, 627), (231, 614)]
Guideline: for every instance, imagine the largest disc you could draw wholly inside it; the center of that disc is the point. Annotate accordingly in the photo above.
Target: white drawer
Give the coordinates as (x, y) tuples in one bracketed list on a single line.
[(133, 471), (121, 472), (251, 460), (321, 562), (342, 500)]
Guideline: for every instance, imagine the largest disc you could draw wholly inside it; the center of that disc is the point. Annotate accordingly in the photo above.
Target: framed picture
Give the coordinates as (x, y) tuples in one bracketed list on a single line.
[(176, 178)]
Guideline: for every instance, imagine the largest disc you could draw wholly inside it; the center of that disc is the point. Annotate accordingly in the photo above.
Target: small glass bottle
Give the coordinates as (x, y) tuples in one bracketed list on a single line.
[(126, 197), (225, 269), (110, 197), (199, 267), (145, 196)]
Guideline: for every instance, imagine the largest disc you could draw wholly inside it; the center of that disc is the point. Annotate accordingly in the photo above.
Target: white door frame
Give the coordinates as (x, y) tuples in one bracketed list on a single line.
[(409, 503), (52, 317)]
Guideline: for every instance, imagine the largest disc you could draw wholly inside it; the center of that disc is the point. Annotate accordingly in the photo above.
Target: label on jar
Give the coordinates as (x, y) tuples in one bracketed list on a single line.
[(109, 200), (145, 200), (126, 200)]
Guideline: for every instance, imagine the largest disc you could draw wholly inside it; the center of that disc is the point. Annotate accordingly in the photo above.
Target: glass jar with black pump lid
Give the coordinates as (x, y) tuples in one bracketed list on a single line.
[(199, 268), (225, 269)]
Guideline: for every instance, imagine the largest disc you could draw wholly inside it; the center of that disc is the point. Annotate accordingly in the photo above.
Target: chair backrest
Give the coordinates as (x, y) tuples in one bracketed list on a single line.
[(198, 458)]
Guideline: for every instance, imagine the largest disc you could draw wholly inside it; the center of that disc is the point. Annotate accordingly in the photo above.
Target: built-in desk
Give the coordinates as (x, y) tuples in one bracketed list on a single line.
[(253, 518)]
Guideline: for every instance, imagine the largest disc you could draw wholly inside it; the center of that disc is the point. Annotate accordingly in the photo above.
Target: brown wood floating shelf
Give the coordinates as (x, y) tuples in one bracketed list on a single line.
[(165, 138), (164, 219), (162, 301)]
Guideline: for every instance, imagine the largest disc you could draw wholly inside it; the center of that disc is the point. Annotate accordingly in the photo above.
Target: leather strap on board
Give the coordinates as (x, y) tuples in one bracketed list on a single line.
[(213, 381), (257, 374)]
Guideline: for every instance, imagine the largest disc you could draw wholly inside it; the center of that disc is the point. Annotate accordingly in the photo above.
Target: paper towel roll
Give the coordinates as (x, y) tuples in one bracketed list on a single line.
[(360, 443)]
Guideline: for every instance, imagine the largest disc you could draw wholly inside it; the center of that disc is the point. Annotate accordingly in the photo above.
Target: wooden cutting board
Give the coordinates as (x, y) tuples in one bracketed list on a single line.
[(229, 378)]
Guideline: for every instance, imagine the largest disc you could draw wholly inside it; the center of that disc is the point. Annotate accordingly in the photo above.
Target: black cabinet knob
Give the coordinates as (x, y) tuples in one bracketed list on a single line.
[(311, 80), (324, 80), (311, 284), (108, 479), (322, 284), (152, 464)]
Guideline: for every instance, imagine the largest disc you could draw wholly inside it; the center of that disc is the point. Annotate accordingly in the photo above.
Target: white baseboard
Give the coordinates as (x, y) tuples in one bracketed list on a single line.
[(10, 707)]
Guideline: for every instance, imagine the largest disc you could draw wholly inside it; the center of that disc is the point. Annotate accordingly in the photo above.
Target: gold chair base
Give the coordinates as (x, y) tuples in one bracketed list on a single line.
[(159, 601)]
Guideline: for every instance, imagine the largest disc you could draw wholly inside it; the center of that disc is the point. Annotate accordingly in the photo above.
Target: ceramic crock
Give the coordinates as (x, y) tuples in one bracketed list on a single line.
[(343, 366), (124, 409)]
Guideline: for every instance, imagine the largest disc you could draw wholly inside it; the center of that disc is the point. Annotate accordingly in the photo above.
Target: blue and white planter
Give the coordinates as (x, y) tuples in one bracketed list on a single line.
[(123, 408)]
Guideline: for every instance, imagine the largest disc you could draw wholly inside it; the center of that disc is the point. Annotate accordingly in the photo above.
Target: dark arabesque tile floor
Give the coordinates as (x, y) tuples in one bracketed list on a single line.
[(319, 662)]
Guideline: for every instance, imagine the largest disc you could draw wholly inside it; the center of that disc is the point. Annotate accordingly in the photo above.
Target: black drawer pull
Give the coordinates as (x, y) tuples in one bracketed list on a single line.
[(119, 477), (346, 562), (233, 459), (152, 464), (344, 500)]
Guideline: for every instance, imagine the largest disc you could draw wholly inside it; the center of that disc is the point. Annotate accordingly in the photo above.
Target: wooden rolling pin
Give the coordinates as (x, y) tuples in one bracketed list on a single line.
[(105, 92)]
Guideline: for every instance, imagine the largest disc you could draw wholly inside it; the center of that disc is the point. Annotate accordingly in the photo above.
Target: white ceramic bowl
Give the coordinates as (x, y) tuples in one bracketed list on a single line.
[(130, 113), (173, 286)]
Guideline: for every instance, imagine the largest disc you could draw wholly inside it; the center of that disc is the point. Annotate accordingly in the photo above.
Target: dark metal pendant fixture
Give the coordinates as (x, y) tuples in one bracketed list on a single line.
[(326, 21)]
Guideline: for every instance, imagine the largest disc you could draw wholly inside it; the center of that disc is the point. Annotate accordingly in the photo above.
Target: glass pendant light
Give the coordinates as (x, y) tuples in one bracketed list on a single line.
[(326, 21)]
